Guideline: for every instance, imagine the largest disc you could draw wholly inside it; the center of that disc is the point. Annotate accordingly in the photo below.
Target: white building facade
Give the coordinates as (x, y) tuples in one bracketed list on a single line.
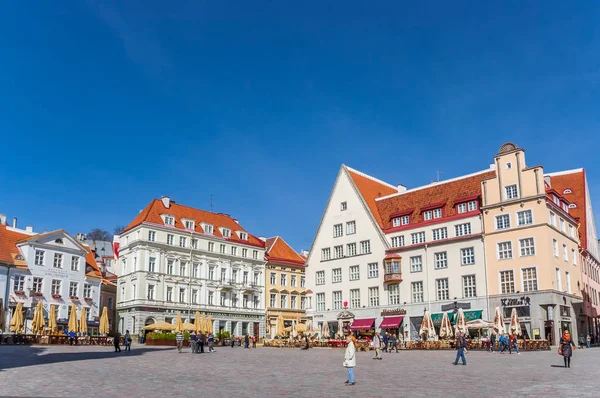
[(176, 259)]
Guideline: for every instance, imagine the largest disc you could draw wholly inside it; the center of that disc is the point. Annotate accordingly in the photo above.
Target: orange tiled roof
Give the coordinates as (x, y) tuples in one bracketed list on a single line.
[(370, 189), (444, 194), (278, 250), (8, 247), (152, 214), (576, 183)]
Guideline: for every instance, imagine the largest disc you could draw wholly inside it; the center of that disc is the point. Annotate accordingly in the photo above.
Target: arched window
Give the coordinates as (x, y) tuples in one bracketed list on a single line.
[(567, 191)]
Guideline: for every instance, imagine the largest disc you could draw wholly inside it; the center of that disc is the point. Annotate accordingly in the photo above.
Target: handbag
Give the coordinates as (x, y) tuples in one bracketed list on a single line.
[(559, 351)]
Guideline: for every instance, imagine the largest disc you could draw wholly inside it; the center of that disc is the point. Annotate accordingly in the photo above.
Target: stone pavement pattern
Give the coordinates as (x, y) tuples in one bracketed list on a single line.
[(64, 371)]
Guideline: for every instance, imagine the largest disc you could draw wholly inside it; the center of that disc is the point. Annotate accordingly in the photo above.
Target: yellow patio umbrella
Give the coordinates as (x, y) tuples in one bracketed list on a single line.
[(52, 324), (16, 322), (197, 324), (179, 324), (38, 323), (73, 319), (104, 324), (280, 325), (162, 325), (83, 321), (189, 326), (209, 324), (203, 324)]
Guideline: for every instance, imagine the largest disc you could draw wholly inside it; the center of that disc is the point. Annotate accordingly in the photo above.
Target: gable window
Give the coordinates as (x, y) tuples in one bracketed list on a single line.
[(440, 233), (74, 263), (338, 230), (39, 257), (58, 260), (336, 275), (524, 217), (325, 254), (527, 247), (441, 260), (437, 213), (169, 220), (398, 241), (226, 233), (511, 192), (365, 247), (151, 236), (373, 269), (354, 272), (418, 237), (503, 221), (339, 251), (416, 264), (344, 206), (351, 249), (462, 208), (208, 229), (396, 222), (350, 227), (320, 279), (427, 215), (462, 229), (467, 256), (189, 225), (473, 205), (243, 236), (504, 250)]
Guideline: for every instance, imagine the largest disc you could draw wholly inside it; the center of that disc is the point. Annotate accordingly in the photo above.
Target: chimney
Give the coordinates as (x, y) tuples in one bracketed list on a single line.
[(547, 181), (2, 219), (80, 237), (14, 222), (29, 228), (166, 201), (401, 188), (305, 253), (236, 220), (263, 238)]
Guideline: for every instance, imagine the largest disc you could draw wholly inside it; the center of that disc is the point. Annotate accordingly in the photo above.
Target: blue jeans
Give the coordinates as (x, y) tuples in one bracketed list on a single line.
[(516, 347), (588, 344), (351, 378), (460, 354)]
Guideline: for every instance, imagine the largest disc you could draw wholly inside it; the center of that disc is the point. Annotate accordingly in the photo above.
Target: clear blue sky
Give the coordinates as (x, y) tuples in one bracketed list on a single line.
[(108, 104)]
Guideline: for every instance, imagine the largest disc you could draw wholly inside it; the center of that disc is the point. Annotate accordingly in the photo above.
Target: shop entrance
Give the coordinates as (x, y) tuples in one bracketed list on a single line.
[(549, 331)]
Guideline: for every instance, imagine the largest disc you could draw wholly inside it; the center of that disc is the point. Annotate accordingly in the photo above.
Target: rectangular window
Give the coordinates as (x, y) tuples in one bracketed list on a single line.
[(437, 213), (257, 280), (255, 254), (302, 302), (320, 301), (211, 246), (373, 270), (195, 270), (418, 237), (568, 281), (151, 264), (169, 293), (574, 255), (273, 278), (344, 206), (396, 222), (170, 267), (320, 279), (555, 247), (525, 217), (394, 295), (427, 215), (39, 257), (189, 225), (73, 289), (552, 219), (244, 253), (562, 225), (182, 268), (442, 289), (74, 263), (565, 253), (302, 281), (463, 229), (233, 251), (151, 236), (338, 251), (208, 229), (19, 283), (467, 256), (503, 221), (337, 300), (374, 296), (338, 230), (558, 280), (511, 192), (336, 275), (58, 260), (441, 260), (194, 296), (226, 233), (222, 249), (354, 272), (293, 301), (169, 220), (170, 239), (469, 286), (243, 235), (416, 264), (507, 282), (273, 300), (392, 267), (398, 241), (404, 220), (87, 290), (211, 297), (350, 227), (365, 247), (283, 278), (504, 250), (194, 243), (325, 254), (571, 231), (292, 280), (527, 247), (245, 278), (529, 279), (150, 292), (182, 295), (417, 292), (351, 249), (211, 273), (473, 205), (355, 298), (56, 286), (462, 208), (439, 233)]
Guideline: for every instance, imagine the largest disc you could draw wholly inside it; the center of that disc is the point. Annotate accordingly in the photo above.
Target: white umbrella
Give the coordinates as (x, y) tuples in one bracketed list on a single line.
[(325, 330), (499, 322), (340, 329), (515, 325), (446, 327), (294, 332), (461, 322), (479, 324), (427, 327)]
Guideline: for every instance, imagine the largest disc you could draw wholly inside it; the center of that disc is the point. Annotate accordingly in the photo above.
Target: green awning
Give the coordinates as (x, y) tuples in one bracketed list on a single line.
[(437, 318), (469, 316), (472, 315)]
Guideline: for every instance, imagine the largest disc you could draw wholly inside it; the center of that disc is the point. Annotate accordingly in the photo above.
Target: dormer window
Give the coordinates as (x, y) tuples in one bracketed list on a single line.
[(396, 222), (556, 200), (437, 213), (567, 191), (428, 215), (226, 232), (462, 208), (189, 224), (208, 229), (243, 235), (565, 207), (572, 206), (59, 241), (169, 220), (472, 205)]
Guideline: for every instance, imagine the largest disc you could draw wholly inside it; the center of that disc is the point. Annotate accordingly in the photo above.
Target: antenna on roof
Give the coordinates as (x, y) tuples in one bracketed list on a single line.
[(438, 172), (211, 203)]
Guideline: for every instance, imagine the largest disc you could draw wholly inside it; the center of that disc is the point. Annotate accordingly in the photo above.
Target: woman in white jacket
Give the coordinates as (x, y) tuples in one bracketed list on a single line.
[(350, 360)]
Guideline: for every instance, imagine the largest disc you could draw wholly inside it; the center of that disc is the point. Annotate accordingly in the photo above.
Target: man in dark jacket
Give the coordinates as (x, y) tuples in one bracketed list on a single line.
[(386, 339), (201, 341), (194, 342), (492, 342), (461, 344)]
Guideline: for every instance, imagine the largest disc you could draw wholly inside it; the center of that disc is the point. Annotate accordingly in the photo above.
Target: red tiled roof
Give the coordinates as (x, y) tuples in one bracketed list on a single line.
[(152, 214), (370, 189), (576, 183), (443, 192), (277, 250), (8, 247)]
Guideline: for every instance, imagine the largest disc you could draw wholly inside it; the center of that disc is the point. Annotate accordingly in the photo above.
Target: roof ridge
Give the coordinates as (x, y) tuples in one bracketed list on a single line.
[(360, 173), (560, 173), (433, 184), (288, 245)]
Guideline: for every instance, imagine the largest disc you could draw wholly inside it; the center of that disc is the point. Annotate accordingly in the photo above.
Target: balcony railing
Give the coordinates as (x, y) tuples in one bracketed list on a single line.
[(392, 277)]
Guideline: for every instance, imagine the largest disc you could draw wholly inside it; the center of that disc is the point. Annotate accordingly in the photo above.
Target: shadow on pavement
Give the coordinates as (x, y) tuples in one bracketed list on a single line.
[(557, 366), (21, 356)]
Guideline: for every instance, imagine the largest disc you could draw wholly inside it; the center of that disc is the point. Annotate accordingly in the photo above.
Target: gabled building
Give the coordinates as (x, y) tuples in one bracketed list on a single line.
[(285, 286), (174, 258)]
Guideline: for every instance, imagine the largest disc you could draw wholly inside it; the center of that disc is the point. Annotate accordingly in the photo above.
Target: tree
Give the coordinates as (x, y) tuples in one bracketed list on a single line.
[(98, 234), (118, 229)]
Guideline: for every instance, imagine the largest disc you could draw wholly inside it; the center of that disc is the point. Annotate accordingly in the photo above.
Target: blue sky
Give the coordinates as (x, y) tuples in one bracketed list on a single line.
[(108, 104)]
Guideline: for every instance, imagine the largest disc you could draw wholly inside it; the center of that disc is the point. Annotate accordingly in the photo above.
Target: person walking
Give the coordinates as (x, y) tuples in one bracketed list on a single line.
[(179, 340), (117, 341), (350, 359), (232, 341), (211, 341), (492, 342), (202, 341), (386, 339), (461, 344), (127, 341), (588, 340), (564, 348), (377, 342), (253, 341), (194, 342), (71, 337), (513, 342), (247, 341), (393, 343)]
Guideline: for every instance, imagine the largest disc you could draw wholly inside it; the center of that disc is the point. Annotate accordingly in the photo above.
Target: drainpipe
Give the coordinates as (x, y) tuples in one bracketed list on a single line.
[(427, 278), (6, 293), (485, 271)]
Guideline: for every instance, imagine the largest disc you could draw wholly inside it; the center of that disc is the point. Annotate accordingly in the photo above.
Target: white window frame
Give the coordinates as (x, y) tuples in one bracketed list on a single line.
[(463, 229), (523, 279), (498, 250), (336, 297), (338, 230), (396, 222), (469, 289), (416, 263), (343, 206), (439, 233), (555, 249), (336, 275), (461, 208), (511, 192), (514, 287), (505, 224), (59, 263), (351, 249), (398, 241), (472, 205), (354, 298), (75, 261), (522, 218), (394, 294), (373, 296), (405, 220), (350, 227), (442, 293), (365, 246), (530, 250), (467, 256), (427, 215), (373, 270), (320, 300), (441, 260), (417, 295), (354, 272), (338, 251), (326, 254), (151, 236), (418, 238), (320, 278)]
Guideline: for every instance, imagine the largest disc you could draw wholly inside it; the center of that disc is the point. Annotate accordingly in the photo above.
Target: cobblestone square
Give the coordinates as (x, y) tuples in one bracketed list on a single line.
[(64, 371)]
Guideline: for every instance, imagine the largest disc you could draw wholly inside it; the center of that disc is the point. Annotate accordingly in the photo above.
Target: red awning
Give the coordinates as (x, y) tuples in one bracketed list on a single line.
[(362, 324), (391, 322)]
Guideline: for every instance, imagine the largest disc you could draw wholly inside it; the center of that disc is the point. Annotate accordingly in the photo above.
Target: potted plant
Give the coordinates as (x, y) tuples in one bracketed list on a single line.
[(74, 298), (56, 296), (88, 299), (19, 292), (36, 294)]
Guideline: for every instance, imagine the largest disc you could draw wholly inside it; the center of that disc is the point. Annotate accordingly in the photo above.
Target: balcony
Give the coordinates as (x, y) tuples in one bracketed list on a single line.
[(392, 264), (393, 277)]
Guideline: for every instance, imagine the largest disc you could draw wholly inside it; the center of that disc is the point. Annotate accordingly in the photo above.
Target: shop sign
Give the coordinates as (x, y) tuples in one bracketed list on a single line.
[(318, 316), (397, 311), (513, 302)]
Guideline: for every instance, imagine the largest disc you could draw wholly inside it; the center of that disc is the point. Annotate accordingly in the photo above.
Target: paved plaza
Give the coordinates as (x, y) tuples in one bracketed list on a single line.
[(84, 371)]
